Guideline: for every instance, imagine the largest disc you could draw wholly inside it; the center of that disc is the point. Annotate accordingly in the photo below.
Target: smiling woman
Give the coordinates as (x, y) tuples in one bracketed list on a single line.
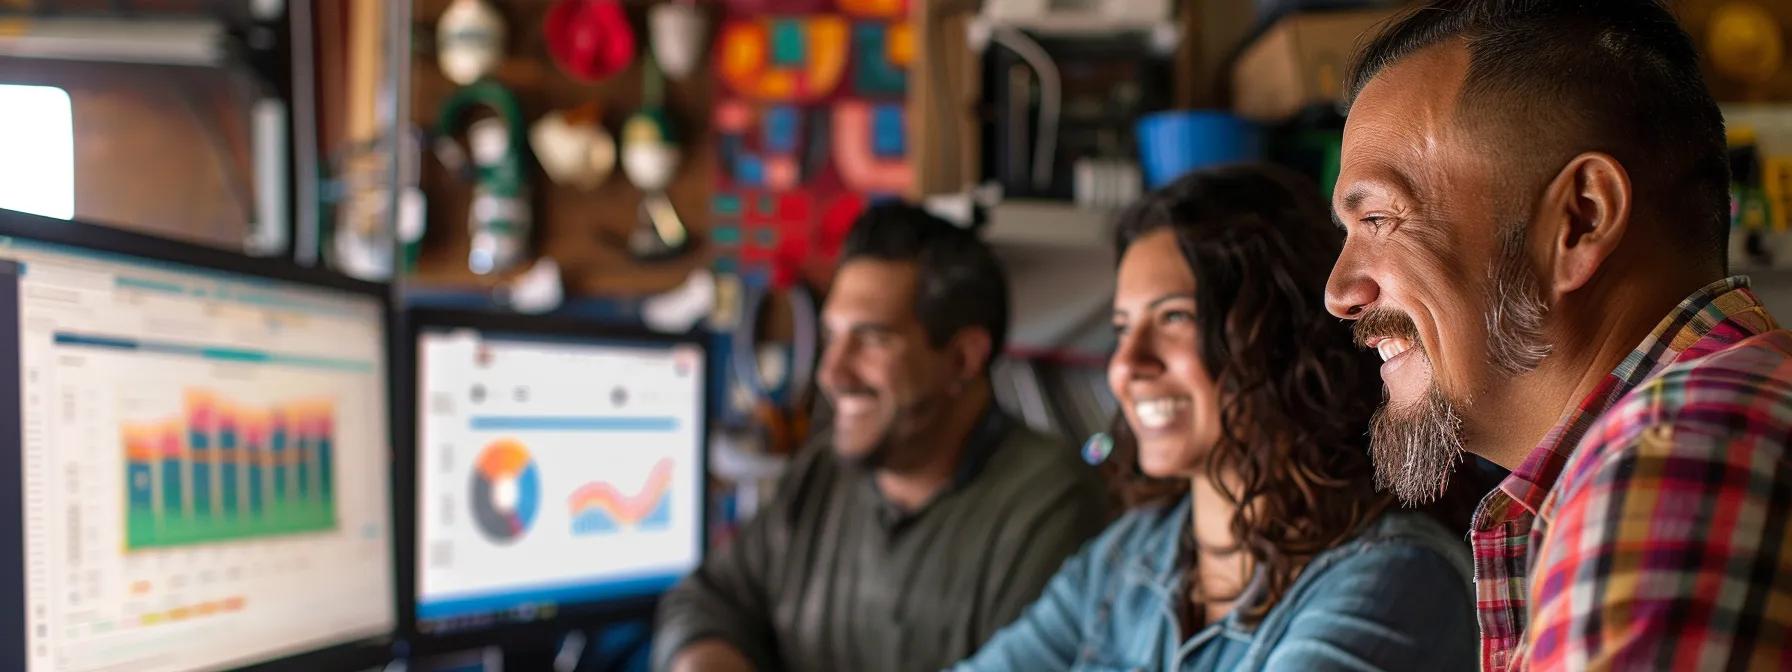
[(1228, 268), (1256, 539)]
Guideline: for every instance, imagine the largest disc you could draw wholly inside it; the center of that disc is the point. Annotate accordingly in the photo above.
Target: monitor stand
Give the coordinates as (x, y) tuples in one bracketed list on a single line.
[(532, 653), (518, 658)]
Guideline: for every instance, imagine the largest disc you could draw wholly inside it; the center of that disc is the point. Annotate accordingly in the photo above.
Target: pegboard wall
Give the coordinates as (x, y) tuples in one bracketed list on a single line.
[(811, 127), (582, 230)]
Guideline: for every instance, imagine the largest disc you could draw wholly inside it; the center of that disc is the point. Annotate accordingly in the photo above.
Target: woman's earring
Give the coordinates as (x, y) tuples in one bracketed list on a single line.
[(1097, 449)]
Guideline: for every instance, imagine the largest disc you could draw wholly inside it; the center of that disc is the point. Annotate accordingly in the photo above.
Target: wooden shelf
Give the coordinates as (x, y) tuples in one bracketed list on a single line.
[(1081, 24)]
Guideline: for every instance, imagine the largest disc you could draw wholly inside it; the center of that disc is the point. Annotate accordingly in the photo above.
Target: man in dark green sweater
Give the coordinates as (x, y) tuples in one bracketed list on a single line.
[(923, 519)]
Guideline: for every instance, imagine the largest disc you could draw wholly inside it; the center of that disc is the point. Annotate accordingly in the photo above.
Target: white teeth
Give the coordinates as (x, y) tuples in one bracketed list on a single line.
[(1392, 347), (853, 405), (1158, 413)]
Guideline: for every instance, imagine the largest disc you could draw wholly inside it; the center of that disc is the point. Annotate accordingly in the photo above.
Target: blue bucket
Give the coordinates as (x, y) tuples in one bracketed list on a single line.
[(1173, 143)]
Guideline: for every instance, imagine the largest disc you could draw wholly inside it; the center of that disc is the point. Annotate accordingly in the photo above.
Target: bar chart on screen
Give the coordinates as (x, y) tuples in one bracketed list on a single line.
[(224, 470), (208, 492), (202, 453)]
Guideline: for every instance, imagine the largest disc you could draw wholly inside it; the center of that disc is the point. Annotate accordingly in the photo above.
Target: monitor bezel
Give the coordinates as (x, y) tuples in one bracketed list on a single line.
[(414, 322), (348, 654)]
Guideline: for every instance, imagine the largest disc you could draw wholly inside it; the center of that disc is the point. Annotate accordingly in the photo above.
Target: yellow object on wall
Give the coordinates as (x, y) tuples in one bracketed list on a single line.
[(1776, 182), (1745, 43)]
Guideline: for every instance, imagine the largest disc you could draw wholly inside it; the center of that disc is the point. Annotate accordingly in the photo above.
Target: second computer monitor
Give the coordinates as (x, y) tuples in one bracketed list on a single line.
[(558, 467)]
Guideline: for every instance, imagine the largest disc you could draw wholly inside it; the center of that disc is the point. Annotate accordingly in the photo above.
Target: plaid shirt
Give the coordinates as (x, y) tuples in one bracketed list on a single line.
[(1652, 527)]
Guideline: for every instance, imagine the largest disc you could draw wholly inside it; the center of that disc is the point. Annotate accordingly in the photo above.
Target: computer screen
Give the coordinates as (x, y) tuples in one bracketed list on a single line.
[(555, 473), (203, 479)]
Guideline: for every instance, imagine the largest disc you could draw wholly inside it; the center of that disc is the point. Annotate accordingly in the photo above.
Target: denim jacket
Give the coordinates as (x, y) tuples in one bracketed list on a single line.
[(1395, 597)]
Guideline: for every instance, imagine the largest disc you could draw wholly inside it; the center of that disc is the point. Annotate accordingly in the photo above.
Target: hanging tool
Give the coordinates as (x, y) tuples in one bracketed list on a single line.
[(499, 216), (650, 156)]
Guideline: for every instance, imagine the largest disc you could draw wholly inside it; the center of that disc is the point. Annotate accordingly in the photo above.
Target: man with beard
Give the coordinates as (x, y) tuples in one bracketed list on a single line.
[(926, 519), (1535, 194)]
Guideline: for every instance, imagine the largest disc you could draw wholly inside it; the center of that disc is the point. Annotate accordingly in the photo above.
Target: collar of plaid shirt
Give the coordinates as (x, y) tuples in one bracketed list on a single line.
[(1511, 520)]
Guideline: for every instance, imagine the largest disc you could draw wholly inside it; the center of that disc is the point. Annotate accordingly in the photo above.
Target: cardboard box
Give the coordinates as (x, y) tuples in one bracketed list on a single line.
[(1300, 61)]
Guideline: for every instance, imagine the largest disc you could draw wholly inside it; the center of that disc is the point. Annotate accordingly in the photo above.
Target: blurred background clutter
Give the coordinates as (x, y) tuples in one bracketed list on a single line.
[(663, 183)]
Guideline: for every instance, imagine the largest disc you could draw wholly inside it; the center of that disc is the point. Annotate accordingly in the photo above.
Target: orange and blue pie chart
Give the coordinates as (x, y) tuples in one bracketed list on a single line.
[(506, 491)]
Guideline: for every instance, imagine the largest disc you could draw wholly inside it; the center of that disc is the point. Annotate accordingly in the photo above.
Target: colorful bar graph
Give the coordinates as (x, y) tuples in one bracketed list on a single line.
[(174, 501), (301, 458), (229, 483), (255, 455), (223, 470), (141, 456), (277, 458), (200, 429), (325, 432)]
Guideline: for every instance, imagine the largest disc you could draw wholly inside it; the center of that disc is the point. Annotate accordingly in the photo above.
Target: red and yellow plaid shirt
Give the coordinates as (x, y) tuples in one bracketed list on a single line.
[(1652, 527)]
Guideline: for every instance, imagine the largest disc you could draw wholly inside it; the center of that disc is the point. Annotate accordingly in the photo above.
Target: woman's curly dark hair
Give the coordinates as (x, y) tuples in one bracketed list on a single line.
[(1296, 394)]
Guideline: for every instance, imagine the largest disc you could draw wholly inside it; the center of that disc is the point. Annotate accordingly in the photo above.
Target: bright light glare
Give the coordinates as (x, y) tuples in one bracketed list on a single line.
[(37, 151)]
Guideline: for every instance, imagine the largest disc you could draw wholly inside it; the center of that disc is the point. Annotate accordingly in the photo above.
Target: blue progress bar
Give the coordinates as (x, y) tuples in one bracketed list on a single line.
[(239, 355), (564, 594), (573, 423), (150, 285)]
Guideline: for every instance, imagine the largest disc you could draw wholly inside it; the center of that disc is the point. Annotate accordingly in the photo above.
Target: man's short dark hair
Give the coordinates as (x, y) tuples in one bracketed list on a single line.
[(1618, 76), (959, 282)]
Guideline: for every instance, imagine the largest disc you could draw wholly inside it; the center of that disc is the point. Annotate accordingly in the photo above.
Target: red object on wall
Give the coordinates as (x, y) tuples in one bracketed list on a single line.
[(590, 40)]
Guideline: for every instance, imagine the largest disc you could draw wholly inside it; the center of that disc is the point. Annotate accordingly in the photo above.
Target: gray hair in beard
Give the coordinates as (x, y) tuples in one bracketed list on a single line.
[(1415, 448), (1515, 344)]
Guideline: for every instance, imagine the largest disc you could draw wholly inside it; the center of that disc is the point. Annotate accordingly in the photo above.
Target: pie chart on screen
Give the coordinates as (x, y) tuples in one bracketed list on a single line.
[(506, 491)]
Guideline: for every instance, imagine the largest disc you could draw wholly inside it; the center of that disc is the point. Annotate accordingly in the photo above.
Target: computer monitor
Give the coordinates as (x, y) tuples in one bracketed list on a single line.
[(196, 457), (559, 472)]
